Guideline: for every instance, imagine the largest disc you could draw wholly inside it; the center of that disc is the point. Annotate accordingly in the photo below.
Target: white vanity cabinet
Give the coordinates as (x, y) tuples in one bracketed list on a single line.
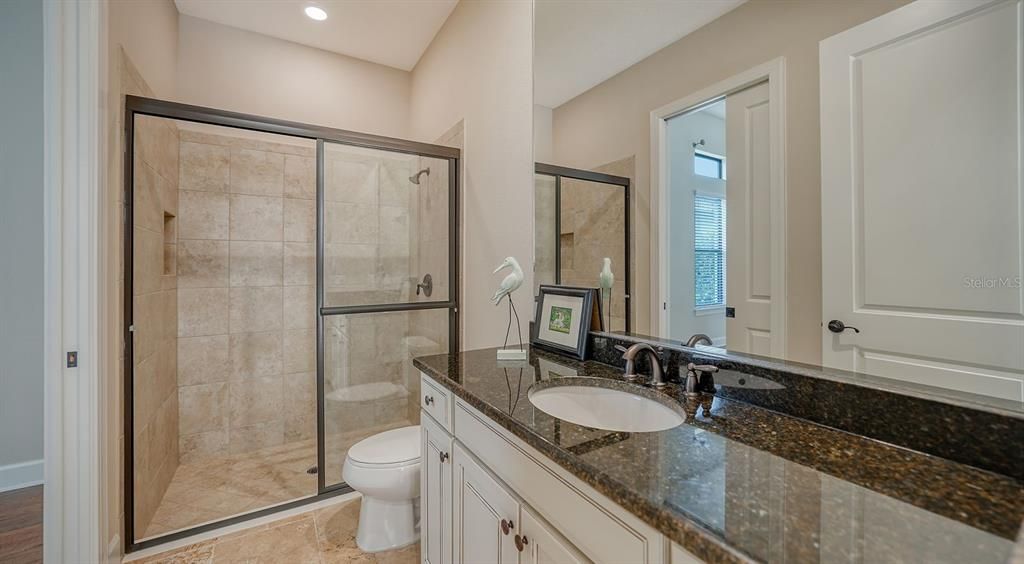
[(494, 499), (484, 515), (435, 493)]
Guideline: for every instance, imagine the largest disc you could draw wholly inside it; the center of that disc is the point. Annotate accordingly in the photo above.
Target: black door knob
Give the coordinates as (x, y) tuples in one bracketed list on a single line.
[(837, 326)]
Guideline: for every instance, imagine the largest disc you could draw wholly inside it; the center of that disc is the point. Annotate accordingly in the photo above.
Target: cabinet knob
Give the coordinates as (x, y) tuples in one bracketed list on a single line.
[(506, 526), (444, 456), (521, 542), (429, 400)]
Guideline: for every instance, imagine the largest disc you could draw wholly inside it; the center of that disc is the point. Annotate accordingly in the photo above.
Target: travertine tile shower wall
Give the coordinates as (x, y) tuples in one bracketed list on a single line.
[(246, 298), (155, 211)]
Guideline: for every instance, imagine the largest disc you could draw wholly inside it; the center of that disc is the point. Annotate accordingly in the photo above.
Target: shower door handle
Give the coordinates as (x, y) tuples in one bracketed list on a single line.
[(427, 286)]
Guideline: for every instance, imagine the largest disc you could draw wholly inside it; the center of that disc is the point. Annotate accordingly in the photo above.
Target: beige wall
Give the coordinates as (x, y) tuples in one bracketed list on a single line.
[(232, 69), (542, 150), (478, 69), (148, 31), (611, 121)]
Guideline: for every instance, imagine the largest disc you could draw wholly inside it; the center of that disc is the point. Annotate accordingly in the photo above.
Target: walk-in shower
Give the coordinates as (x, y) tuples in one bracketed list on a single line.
[(272, 306)]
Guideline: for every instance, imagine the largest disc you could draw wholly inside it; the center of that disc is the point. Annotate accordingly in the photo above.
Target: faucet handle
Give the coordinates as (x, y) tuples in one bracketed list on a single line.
[(702, 367), (621, 348)]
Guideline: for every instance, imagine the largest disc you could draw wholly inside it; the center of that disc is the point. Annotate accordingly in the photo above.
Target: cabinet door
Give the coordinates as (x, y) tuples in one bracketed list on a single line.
[(484, 515), (542, 545), (435, 494)]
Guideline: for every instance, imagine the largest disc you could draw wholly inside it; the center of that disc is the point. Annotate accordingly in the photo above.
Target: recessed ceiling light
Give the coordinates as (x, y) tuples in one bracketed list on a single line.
[(316, 13)]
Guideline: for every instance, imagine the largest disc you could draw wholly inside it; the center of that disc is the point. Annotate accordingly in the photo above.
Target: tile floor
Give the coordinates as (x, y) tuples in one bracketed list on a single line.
[(217, 488), (321, 536)]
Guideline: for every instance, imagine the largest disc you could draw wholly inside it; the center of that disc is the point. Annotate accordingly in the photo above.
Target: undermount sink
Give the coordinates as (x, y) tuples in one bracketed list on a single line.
[(604, 408)]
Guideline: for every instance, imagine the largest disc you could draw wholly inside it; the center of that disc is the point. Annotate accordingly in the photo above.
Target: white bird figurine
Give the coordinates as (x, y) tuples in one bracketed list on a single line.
[(511, 283), (606, 279)]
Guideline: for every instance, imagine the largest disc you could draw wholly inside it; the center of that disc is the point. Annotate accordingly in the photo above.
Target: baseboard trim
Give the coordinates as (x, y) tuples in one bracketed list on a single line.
[(21, 475)]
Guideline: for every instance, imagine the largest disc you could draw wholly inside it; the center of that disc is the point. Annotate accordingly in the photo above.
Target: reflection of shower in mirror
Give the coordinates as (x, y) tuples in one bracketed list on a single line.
[(606, 280)]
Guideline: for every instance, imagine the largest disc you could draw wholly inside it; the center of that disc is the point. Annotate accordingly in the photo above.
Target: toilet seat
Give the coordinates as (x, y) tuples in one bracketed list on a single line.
[(385, 468), (397, 447)]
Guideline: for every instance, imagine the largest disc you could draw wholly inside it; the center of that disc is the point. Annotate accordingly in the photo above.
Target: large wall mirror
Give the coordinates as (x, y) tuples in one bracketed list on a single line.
[(830, 183)]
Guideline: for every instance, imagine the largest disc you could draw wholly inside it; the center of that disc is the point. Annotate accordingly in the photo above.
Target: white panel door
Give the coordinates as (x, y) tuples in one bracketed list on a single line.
[(922, 207), (748, 221), (541, 544), (484, 515), (435, 493)]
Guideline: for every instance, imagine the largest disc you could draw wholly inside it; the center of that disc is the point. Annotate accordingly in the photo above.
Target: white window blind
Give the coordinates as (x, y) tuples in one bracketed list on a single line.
[(709, 250)]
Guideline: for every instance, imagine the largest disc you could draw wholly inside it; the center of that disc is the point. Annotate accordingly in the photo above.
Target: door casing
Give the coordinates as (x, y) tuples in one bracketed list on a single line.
[(773, 71)]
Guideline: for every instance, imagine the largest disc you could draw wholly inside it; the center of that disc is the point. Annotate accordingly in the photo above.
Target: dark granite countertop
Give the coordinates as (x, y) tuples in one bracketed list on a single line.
[(741, 482)]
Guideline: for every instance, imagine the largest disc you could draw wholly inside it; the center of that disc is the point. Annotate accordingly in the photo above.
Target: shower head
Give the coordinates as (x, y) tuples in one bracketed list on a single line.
[(415, 179)]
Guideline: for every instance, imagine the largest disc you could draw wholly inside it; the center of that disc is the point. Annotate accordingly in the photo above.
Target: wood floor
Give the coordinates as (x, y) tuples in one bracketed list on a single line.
[(21, 526)]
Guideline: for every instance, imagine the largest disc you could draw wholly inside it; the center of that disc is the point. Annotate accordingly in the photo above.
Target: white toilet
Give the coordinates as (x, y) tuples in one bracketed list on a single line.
[(385, 468)]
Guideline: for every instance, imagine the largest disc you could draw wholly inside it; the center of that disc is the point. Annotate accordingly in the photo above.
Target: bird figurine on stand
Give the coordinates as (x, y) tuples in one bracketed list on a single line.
[(510, 284), (605, 281)]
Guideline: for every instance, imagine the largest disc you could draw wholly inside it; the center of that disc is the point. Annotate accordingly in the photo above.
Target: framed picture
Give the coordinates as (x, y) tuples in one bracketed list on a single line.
[(565, 316)]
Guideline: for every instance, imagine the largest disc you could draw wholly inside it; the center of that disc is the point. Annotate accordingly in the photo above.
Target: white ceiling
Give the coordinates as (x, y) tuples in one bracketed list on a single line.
[(392, 32), (578, 45)]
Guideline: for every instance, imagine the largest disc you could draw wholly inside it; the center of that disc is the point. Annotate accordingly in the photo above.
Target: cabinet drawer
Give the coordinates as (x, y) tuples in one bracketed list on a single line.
[(600, 529), (436, 401)]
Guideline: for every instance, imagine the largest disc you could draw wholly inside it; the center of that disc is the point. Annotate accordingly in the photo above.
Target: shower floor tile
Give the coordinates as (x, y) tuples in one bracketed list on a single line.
[(218, 488)]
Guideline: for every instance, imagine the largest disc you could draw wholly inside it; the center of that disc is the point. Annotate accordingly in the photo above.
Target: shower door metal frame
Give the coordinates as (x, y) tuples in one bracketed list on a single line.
[(451, 304), (560, 172), (141, 106)]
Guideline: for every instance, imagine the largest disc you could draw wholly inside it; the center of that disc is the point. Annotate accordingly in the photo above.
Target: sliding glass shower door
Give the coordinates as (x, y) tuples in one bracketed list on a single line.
[(386, 288), (278, 280)]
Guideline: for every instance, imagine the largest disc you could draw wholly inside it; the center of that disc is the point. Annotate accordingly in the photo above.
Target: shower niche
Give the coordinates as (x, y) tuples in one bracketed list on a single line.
[(273, 304)]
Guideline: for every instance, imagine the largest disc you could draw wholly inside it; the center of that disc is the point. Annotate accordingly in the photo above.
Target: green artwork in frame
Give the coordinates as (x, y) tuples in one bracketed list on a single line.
[(561, 319)]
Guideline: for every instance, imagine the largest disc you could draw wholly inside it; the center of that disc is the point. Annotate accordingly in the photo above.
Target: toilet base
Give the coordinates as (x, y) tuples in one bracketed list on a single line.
[(386, 525)]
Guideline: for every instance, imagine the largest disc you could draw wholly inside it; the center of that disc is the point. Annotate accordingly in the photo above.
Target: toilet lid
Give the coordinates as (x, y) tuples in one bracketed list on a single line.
[(389, 447)]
